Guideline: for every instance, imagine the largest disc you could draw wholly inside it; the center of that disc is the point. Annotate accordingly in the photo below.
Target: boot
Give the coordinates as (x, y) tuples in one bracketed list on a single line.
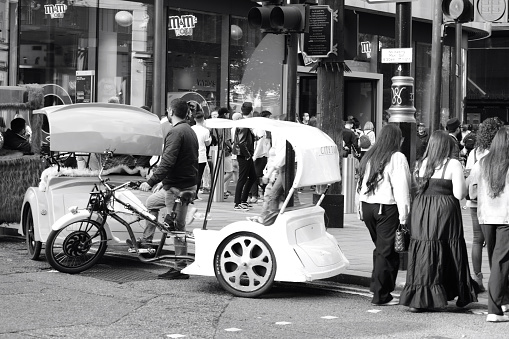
[(478, 280)]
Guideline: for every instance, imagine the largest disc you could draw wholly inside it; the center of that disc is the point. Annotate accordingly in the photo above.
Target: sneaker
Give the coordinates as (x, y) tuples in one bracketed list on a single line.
[(505, 308), (173, 274), (253, 200), (246, 204), (197, 198), (240, 207), (392, 302), (259, 201), (495, 318)]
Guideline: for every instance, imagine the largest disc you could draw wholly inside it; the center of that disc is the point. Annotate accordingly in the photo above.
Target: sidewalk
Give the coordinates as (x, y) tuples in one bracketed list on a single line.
[(353, 239)]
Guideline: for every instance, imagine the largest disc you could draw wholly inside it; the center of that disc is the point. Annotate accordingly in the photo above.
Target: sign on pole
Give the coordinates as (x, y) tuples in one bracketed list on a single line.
[(396, 55), (318, 43)]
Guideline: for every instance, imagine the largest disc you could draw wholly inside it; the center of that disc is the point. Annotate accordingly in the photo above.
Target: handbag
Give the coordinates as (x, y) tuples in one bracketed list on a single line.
[(402, 239)]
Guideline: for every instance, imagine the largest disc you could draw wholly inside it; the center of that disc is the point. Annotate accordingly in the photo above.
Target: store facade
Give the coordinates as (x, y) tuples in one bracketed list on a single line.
[(96, 49), (91, 51)]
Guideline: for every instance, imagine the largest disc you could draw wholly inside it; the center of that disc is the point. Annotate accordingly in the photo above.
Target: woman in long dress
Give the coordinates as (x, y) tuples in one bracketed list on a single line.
[(438, 268)]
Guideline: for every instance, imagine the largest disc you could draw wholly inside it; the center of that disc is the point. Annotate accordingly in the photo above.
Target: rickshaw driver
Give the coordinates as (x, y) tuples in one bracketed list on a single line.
[(177, 171)]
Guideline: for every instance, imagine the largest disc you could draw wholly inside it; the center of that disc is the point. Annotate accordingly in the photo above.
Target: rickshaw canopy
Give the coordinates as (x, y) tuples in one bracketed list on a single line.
[(316, 153), (96, 127)]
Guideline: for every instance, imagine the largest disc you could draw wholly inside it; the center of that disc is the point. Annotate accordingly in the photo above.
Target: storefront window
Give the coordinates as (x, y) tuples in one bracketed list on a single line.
[(125, 52), (51, 34), (193, 61), (256, 66), (86, 51)]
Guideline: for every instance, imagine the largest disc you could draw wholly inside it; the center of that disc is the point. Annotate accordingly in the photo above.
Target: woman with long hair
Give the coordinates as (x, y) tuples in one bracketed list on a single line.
[(438, 268), (483, 139), (488, 182), (384, 198)]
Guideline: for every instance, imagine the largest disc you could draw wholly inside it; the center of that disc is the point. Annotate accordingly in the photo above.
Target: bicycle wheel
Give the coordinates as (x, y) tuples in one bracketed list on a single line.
[(245, 265), (76, 247)]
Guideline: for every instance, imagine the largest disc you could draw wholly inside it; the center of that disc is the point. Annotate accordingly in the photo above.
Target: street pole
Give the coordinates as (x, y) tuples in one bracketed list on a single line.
[(402, 108), (330, 108), (458, 105), (292, 41), (158, 84), (436, 68)]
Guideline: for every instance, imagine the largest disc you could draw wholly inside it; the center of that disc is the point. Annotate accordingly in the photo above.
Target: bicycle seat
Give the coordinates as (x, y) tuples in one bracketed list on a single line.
[(186, 197)]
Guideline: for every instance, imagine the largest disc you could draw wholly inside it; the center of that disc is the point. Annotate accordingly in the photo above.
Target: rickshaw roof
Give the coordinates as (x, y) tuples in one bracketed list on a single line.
[(316, 153), (96, 127)]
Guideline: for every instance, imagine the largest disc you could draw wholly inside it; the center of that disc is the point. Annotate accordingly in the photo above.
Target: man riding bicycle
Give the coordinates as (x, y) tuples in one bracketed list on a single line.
[(177, 172)]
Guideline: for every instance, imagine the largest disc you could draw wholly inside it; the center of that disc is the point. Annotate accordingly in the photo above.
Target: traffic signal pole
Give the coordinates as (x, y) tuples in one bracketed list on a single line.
[(436, 68), (292, 41), (458, 95)]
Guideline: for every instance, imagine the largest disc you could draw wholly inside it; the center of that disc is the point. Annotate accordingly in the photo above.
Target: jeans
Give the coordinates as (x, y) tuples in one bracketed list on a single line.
[(477, 242), (166, 198), (382, 229), (497, 238), (247, 177)]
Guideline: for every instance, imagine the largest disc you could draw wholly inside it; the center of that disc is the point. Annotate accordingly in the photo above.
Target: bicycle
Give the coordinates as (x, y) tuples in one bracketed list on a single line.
[(79, 239)]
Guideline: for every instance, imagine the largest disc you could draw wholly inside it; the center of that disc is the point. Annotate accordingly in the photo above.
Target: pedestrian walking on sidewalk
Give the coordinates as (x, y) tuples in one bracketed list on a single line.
[(245, 138), (488, 181), (485, 136), (384, 198), (438, 268)]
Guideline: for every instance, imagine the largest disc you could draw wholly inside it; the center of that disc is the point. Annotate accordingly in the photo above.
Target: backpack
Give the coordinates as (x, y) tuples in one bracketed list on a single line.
[(364, 141)]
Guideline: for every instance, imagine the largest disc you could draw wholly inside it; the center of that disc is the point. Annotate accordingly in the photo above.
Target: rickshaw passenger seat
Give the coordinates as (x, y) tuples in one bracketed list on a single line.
[(186, 197)]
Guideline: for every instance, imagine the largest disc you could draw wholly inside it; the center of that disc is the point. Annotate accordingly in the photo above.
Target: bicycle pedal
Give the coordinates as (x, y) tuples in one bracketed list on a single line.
[(147, 250)]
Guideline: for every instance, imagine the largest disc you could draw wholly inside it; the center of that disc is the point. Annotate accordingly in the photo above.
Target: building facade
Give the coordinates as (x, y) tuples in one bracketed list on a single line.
[(92, 50)]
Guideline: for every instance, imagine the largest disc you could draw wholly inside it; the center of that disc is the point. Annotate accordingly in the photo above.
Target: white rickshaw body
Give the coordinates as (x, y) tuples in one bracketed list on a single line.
[(303, 249), (86, 129)]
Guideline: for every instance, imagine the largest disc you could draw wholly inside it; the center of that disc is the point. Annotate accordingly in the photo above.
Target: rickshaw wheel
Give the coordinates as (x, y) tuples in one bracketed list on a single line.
[(33, 246), (76, 247), (245, 265)]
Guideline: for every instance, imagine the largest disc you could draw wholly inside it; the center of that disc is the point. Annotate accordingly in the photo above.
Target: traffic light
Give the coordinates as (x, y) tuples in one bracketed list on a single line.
[(275, 17), (458, 10)]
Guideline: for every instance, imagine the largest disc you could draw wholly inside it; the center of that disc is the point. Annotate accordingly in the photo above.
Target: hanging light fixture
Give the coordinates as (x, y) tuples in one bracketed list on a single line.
[(235, 32), (124, 18)]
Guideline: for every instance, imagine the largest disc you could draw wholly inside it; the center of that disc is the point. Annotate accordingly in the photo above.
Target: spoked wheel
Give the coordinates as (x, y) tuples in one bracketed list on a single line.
[(245, 265), (76, 247), (33, 246)]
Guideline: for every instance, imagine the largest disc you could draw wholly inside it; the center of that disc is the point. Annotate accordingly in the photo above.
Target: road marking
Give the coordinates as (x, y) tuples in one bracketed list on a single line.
[(232, 329), (374, 311), (329, 317), (176, 335), (283, 323)]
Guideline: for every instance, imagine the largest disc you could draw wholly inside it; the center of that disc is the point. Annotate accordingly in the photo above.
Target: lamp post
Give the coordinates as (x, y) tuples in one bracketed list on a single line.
[(402, 108)]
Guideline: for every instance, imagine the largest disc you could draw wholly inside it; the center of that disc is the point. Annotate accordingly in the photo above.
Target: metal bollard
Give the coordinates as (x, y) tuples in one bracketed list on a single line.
[(348, 187), (218, 189)]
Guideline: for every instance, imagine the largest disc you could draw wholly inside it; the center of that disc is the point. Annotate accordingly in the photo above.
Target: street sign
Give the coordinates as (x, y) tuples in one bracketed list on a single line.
[(396, 55), (318, 42)]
